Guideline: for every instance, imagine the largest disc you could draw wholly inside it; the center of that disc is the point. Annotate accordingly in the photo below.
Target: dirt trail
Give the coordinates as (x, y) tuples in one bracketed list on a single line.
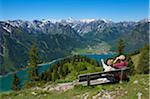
[(57, 87)]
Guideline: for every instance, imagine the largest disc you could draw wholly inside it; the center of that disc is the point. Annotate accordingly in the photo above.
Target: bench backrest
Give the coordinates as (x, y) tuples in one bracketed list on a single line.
[(96, 75)]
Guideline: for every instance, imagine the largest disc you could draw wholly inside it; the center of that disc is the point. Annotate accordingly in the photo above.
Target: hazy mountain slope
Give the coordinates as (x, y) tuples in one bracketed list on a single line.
[(138, 37)]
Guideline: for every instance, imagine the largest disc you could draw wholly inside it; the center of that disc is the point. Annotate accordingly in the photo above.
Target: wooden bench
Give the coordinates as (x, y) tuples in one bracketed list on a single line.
[(92, 78)]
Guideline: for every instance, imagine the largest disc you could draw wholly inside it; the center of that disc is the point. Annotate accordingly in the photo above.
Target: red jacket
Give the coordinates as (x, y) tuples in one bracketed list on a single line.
[(120, 65)]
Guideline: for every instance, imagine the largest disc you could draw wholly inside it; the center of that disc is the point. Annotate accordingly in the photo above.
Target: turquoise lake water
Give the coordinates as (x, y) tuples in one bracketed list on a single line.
[(6, 81)]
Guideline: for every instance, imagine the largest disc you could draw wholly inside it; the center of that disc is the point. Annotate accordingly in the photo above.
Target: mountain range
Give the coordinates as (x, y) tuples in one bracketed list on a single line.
[(60, 38)]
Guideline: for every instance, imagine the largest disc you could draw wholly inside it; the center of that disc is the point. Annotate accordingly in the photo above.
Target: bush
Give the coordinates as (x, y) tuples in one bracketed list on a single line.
[(131, 65), (143, 65)]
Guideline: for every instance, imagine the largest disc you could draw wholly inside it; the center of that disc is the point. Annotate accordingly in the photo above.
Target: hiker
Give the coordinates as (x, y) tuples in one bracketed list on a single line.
[(108, 66), (120, 62)]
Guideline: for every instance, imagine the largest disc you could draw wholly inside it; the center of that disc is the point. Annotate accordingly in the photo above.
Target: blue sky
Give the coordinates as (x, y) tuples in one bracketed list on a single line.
[(117, 10)]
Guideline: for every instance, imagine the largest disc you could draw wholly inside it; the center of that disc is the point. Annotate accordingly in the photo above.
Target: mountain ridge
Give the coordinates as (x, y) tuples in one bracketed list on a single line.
[(59, 39)]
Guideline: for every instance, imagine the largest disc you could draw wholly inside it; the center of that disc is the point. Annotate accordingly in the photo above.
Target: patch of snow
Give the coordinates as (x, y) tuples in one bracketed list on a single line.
[(74, 26), (87, 20), (78, 31), (70, 20), (29, 26), (8, 30), (104, 20)]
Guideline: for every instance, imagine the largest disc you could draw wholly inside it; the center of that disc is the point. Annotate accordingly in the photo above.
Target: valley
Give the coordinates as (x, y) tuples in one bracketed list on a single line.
[(63, 38)]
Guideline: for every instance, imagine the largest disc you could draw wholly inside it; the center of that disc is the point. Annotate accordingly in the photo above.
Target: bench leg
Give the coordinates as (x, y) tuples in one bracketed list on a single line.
[(88, 80)]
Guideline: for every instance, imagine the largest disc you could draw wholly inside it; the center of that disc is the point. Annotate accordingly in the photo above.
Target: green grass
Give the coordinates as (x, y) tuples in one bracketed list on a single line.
[(76, 69), (135, 59), (128, 90)]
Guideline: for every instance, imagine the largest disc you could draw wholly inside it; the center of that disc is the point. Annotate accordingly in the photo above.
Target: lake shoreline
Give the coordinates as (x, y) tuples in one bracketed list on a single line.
[(56, 60), (39, 65), (22, 74)]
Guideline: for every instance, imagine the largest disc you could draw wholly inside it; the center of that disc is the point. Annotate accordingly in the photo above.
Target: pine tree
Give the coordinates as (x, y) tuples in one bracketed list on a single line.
[(65, 70), (55, 75), (16, 83), (60, 71), (33, 63), (120, 47)]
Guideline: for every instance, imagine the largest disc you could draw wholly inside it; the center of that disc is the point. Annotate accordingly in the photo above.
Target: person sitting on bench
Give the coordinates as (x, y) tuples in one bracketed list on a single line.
[(120, 62), (108, 66)]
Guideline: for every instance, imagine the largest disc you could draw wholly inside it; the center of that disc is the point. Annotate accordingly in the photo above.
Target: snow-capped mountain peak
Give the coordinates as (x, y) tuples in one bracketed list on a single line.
[(7, 29), (70, 20), (87, 20), (106, 21)]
